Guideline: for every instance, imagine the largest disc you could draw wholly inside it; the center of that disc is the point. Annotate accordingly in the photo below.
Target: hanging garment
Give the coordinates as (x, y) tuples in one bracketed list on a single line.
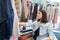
[(18, 8), (6, 20), (3, 16), (23, 11), (2, 30), (30, 11), (5, 10), (35, 12), (16, 30), (55, 15), (9, 27), (6, 28)]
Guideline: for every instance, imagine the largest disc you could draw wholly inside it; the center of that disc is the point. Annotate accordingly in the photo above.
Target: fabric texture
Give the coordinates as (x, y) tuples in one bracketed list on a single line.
[(6, 19), (16, 31), (6, 28), (5, 10), (9, 27)]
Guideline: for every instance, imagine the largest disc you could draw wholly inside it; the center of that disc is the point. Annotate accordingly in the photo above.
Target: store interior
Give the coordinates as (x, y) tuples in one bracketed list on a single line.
[(53, 9), (26, 11)]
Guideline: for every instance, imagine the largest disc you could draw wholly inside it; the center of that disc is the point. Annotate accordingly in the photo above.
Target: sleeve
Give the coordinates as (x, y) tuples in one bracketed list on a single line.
[(50, 31), (29, 24)]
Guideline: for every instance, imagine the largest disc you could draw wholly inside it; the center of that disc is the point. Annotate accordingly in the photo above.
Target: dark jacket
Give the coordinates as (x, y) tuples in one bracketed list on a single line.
[(5, 10), (6, 19)]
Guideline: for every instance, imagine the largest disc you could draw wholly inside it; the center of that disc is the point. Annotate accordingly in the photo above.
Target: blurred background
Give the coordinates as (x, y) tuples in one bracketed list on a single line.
[(26, 11)]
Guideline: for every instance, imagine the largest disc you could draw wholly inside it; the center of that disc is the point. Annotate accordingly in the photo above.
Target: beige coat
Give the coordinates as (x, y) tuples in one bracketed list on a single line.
[(16, 32)]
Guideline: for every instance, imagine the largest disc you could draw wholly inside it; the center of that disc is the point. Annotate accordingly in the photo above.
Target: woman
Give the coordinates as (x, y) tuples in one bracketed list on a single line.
[(41, 23)]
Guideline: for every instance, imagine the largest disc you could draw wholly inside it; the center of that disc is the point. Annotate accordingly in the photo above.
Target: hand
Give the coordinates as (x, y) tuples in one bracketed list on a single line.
[(46, 38)]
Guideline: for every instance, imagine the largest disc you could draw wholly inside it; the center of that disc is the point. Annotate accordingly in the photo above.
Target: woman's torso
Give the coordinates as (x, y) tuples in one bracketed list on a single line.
[(43, 29)]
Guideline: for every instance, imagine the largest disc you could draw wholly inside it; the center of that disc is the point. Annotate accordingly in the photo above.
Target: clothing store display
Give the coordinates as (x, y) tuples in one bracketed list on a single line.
[(35, 12), (13, 12), (52, 12)]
